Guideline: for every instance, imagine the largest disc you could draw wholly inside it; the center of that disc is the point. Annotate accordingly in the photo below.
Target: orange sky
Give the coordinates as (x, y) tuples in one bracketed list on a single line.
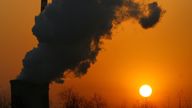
[(161, 56)]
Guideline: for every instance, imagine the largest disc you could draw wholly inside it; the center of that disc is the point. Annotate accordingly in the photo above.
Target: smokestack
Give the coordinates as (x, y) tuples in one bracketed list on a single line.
[(43, 4), (25, 94)]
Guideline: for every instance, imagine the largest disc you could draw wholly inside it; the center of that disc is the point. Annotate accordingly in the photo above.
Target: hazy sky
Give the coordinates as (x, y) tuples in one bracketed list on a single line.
[(161, 56)]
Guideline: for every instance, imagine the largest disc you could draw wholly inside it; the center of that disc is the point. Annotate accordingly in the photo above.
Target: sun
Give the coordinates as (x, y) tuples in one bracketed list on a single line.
[(145, 90)]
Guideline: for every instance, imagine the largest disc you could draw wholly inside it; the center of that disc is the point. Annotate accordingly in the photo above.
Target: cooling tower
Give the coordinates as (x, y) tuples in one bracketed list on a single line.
[(26, 94)]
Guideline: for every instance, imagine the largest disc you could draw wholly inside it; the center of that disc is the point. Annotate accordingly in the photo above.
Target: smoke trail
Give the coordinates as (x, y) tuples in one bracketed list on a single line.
[(70, 33)]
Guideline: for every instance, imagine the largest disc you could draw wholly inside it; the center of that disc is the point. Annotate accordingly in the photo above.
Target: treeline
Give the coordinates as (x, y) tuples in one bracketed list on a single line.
[(68, 98)]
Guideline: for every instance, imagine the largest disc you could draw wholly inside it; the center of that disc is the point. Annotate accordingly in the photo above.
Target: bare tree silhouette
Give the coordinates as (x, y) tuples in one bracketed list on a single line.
[(4, 102), (71, 99), (125, 105), (97, 102)]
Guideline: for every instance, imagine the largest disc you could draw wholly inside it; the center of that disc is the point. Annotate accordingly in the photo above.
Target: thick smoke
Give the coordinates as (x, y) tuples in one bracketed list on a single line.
[(70, 33)]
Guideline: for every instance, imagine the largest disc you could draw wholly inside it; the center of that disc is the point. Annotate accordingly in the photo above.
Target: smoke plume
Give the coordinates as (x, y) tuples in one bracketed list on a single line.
[(69, 33)]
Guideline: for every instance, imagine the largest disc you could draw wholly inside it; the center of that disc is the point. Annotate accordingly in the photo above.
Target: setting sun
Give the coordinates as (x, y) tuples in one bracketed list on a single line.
[(96, 53), (145, 90)]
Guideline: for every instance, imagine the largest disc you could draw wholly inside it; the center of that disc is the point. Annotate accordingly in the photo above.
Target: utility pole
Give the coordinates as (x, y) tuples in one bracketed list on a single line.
[(145, 103), (168, 102), (43, 4), (180, 94)]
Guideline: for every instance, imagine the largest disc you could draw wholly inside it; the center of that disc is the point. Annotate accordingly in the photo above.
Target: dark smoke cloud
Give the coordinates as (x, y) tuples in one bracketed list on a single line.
[(153, 17), (70, 33)]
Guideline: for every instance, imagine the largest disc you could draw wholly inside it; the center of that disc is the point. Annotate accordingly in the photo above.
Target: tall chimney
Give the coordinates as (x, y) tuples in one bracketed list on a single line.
[(25, 94), (43, 4)]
